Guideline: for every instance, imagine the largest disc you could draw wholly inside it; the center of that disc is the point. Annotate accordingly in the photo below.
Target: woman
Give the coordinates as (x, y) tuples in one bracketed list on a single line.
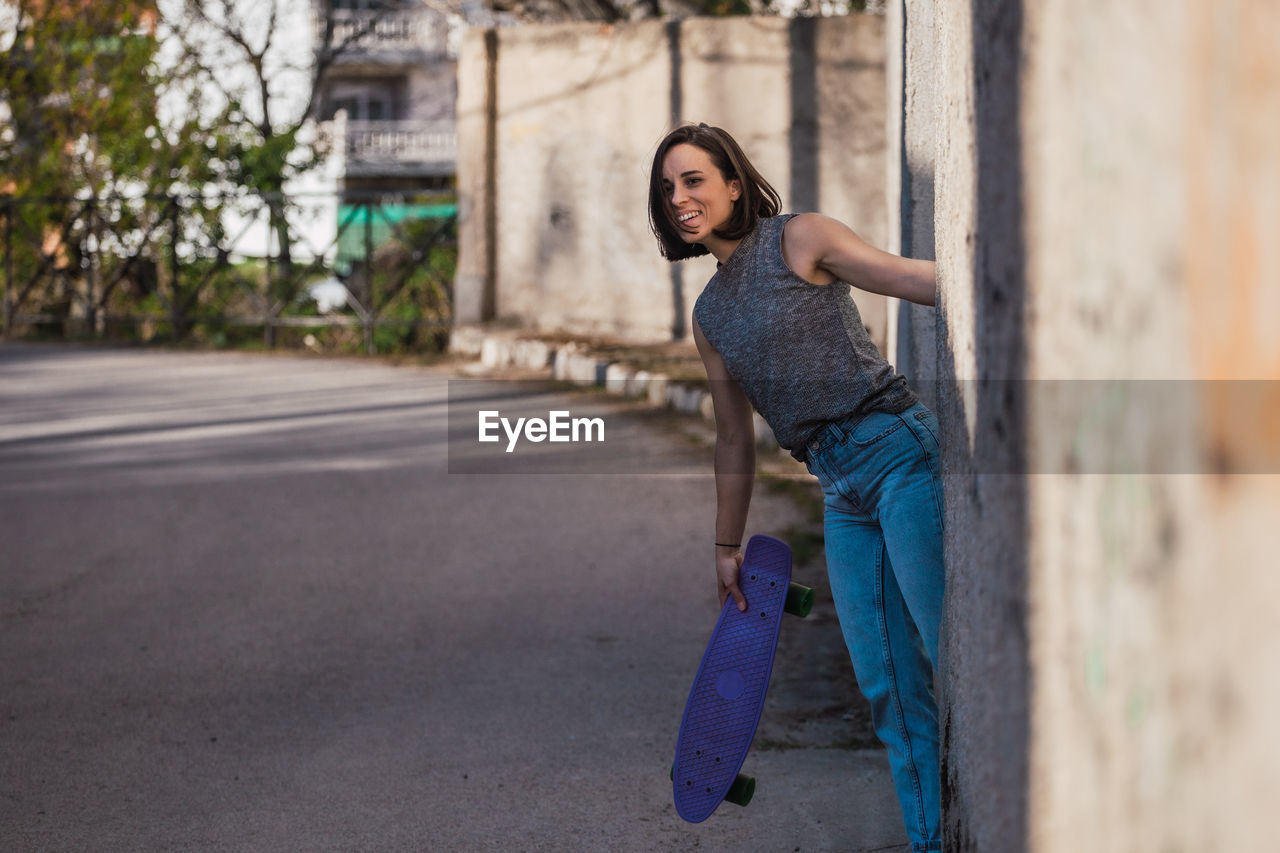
[(778, 332)]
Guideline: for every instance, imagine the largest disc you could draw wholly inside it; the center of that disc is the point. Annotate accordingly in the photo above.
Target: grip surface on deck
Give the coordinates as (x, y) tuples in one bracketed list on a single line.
[(723, 710)]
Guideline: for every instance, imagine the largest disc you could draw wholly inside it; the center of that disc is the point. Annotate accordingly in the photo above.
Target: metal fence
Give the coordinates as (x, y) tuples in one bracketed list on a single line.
[(333, 271)]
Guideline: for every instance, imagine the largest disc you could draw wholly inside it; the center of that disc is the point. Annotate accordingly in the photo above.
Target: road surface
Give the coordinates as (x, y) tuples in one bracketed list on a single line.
[(252, 603)]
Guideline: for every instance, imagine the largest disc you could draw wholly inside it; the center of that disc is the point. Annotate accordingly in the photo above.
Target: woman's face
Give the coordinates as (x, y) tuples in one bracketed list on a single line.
[(701, 199)]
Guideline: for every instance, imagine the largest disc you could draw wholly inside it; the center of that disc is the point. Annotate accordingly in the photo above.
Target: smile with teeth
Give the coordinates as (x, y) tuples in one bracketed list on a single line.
[(685, 217)]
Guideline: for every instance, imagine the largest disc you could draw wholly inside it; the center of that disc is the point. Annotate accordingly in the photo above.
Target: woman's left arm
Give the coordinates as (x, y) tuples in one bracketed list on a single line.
[(833, 247)]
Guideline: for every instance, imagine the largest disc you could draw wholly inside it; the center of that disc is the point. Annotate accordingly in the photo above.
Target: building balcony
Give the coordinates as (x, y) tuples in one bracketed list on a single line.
[(396, 148), (387, 38)]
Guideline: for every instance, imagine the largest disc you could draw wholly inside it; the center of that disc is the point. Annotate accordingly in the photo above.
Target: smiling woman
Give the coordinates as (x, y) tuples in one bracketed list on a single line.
[(699, 196), (705, 176), (779, 332)]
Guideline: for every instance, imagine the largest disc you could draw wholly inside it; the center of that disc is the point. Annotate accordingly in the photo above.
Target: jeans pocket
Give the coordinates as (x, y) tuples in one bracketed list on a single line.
[(876, 426), (930, 421)]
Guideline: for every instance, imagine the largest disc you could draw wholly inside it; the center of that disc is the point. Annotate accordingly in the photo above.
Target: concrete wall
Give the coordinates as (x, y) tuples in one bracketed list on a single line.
[(571, 120), (911, 125), (432, 92), (1105, 194), (1156, 654), (474, 285)]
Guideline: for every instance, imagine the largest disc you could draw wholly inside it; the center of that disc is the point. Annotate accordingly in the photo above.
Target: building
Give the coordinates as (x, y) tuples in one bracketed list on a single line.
[(387, 95)]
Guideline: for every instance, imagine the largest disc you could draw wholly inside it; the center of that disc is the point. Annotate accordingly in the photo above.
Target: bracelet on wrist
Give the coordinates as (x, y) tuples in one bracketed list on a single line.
[(727, 545)]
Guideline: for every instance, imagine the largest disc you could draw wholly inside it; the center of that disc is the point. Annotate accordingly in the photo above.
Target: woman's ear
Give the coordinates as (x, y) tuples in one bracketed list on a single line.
[(735, 189)]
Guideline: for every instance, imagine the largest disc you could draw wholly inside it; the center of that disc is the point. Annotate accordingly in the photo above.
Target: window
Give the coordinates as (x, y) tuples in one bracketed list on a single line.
[(366, 105)]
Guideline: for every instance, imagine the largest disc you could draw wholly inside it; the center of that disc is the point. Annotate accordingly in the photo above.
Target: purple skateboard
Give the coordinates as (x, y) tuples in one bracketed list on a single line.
[(724, 706)]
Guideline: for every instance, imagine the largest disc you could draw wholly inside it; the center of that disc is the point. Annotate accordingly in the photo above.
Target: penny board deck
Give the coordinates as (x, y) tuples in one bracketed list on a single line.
[(723, 711)]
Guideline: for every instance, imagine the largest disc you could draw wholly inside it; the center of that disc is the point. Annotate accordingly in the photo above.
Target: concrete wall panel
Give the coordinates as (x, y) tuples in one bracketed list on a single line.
[(911, 122), (985, 678), (579, 110), (1151, 133), (851, 151), (1105, 196), (473, 281)]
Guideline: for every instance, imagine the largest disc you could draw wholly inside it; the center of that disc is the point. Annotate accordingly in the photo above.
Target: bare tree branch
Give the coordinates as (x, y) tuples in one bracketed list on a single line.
[(326, 55)]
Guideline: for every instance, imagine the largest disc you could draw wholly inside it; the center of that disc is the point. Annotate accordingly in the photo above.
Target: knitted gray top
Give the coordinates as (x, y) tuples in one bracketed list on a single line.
[(798, 350)]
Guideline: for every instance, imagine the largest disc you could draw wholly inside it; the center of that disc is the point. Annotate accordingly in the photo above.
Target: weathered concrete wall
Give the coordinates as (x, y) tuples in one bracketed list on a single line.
[(979, 242), (577, 112), (477, 197), (911, 127), (1152, 213), (1105, 195)]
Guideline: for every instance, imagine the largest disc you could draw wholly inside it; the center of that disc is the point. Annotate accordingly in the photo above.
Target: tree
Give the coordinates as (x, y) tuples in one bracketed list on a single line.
[(246, 64), (80, 87)]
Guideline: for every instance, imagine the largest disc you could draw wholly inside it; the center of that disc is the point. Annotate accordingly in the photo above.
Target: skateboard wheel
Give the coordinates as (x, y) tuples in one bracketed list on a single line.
[(742, 790), (799, 600)]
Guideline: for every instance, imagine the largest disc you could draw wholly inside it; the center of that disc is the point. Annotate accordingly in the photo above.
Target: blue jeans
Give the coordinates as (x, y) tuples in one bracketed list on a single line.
[(883, 524)]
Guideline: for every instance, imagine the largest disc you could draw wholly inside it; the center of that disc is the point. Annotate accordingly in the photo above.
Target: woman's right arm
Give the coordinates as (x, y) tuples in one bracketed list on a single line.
[(735, 466)]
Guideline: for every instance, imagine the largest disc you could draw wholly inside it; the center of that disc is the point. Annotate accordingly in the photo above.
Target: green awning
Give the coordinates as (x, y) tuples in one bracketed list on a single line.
[(391, 213), (380, 221)]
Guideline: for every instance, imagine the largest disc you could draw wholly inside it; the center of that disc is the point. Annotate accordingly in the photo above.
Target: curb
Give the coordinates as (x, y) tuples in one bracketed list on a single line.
[(574, 363)]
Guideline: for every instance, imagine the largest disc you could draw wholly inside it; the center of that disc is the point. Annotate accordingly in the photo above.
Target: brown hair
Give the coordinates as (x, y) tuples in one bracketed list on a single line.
[(758, 199)]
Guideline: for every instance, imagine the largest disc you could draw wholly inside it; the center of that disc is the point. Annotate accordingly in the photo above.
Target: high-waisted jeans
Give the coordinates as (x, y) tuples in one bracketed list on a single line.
[(883, 523)]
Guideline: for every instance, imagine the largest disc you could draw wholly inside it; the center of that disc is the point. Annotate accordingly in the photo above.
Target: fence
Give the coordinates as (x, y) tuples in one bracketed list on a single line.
[(367, 271)]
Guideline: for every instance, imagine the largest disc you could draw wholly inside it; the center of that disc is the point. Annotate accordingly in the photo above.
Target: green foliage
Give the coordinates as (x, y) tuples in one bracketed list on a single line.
[(100, 187), (84, 143), (411, 286), (82, 88)]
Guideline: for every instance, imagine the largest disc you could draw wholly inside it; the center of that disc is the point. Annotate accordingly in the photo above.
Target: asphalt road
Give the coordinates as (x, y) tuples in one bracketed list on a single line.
[(261, 603)]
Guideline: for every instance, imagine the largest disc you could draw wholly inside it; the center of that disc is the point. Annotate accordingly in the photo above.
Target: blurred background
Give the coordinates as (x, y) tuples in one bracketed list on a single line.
[(259, 174)]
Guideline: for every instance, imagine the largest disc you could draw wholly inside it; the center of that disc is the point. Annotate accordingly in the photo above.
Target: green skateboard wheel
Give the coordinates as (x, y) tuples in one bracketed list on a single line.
[(741, 791), (799, 600)]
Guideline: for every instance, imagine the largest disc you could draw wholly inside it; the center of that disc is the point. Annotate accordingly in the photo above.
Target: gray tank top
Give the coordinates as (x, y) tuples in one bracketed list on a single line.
[(798, 350)]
